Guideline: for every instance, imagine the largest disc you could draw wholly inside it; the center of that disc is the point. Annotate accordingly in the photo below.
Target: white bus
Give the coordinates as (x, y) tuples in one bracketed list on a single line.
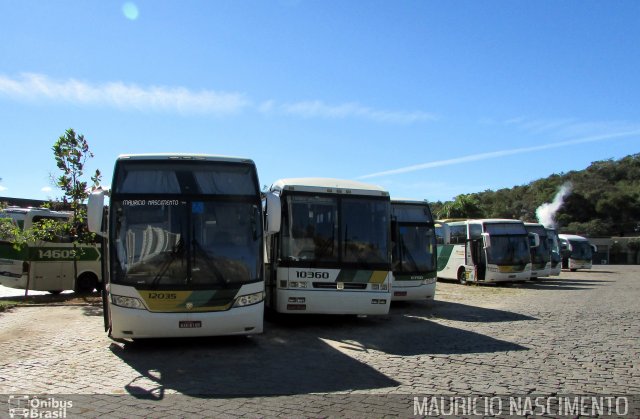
[(329, 247), (541, 254), (414, 253), (577, 252), (184, 247), (484, 250), (554, 247), (47, 265)]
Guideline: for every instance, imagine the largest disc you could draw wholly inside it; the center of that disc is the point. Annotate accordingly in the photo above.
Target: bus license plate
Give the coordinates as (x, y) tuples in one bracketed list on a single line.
[(190, 324)]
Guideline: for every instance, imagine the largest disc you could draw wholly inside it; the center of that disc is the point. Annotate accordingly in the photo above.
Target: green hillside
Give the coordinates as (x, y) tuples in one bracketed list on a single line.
[(604, 200)]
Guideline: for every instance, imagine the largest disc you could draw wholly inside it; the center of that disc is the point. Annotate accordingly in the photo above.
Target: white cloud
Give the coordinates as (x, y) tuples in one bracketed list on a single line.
[(2, 188), (319, 109), (120, 95), (501, 153), (46, 189)]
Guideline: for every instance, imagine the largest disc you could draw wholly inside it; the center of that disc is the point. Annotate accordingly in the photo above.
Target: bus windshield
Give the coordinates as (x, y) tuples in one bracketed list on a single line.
[(554, 246), (415, 249), (189, 243), (185, 223), (320, 228), (508, 250), (581, 250)]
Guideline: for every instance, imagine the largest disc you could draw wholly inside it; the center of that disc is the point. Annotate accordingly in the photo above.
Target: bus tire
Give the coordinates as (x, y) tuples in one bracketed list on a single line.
[(54, 292), (86, 283), (462, 276)]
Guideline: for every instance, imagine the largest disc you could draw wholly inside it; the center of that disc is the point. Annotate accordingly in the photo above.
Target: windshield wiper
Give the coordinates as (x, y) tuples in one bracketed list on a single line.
[(204, 256), (177, 249)]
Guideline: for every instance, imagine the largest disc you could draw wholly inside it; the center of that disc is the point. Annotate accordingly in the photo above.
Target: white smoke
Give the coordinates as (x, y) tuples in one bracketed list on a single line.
[(546, 212)]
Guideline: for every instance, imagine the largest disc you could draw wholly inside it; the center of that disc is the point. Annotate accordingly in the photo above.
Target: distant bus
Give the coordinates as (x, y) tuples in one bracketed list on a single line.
[(329, 247), (577, 252), (484, 250), (554, 248), (185, 246), (47, 265), (414, 255), (541, 254)]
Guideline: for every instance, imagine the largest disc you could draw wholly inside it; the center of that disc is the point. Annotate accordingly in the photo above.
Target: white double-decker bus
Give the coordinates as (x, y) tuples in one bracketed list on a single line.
[(484, 250), (577, 252), (47, 265), (184, 247), (329, 247), (541, 254), (414, 253)]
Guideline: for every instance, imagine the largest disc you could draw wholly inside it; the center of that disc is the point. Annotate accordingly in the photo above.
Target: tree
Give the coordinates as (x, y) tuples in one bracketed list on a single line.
[(464, 206), (71, 153)]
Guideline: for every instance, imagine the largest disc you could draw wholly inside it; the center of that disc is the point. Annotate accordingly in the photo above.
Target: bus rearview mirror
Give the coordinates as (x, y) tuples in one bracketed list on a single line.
[(273, 213), (95, 209)]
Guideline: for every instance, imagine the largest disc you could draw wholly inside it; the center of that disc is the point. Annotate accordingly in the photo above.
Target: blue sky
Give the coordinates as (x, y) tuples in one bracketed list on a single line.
[(430, 99)]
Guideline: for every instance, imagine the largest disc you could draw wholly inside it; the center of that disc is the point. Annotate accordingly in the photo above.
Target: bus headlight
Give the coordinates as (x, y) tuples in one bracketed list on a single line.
[(249, 299), (127, 302)]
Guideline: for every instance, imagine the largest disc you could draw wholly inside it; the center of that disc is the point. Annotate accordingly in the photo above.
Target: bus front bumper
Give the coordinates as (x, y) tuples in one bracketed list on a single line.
[(130, 323), (333, 302)]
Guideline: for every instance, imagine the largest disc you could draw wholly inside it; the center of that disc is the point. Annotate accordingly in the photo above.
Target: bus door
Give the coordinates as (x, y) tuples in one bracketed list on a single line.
[(476, 258), (472, 258), (49, 276)]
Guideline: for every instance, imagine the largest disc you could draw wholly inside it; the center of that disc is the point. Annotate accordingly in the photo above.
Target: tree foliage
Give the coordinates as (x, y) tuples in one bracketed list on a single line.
[(605, 199), (71, 152)]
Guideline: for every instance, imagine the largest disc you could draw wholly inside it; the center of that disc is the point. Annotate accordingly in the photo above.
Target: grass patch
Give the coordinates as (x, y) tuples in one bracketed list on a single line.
[(7, 304)]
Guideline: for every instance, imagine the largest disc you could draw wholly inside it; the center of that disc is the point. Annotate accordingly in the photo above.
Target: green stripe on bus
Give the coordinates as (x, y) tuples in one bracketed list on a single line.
[(60, 254), (444, 253), (7, 251)]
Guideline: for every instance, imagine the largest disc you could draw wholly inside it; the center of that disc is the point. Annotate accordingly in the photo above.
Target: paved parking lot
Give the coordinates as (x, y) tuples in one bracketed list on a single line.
[(573, 335)]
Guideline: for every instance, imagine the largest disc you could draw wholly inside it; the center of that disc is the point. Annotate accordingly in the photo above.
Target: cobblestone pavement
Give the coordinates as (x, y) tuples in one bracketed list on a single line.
[(573, 335)]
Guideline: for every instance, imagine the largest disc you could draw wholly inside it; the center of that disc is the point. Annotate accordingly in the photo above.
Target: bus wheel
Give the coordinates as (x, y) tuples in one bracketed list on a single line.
[(462, 276), (573, 269), (54, 292), (86, 283)]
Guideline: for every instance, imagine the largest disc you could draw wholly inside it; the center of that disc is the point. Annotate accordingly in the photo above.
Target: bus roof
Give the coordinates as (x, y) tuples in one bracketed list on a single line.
[(184, 156), (482, 220), (572, 237), (34, 211), (408, 201), (328, 185)]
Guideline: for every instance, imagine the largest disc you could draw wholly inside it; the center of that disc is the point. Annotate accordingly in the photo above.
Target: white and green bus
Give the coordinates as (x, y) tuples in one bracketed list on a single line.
[(414, 256), (541, 254), (484, 250), (47, 265), (184, 246), (554, 248), (576, 251), (329, 247)]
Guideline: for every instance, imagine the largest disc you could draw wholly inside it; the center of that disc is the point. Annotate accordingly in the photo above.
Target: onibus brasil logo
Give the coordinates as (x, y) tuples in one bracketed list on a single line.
[(24, 406)]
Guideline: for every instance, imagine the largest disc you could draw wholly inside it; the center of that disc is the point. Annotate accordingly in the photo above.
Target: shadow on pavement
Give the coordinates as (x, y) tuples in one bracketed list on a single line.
[(302, 354), (462, 312), (265, 365), (559, 284)]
